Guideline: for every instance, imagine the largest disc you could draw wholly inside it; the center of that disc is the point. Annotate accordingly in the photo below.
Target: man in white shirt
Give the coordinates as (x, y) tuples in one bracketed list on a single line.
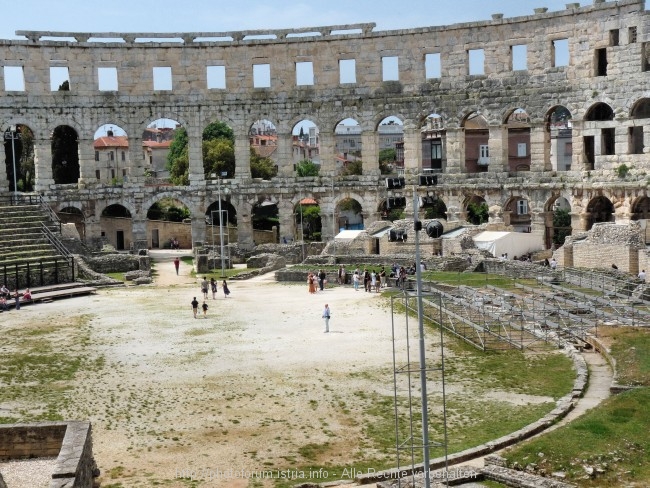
[(642, 275), (326, 317)]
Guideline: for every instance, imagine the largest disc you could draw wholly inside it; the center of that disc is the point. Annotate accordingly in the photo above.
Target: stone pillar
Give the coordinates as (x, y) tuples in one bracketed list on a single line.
[(540, 149), (4, 180), (86, 153), (578, 158), (42, 164), (139, 233), (498, 147), (327, 154), (199, 233), (196, 173), (327, 222), (242, 157), (580, 222), (244, 223), (287, 220), (370, 218), (284, 155), (370, 153), (135, 162), (454, 150), (412, 150)]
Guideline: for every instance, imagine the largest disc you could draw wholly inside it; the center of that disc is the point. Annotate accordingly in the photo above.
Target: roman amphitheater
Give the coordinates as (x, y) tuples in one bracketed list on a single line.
[(522, 114)]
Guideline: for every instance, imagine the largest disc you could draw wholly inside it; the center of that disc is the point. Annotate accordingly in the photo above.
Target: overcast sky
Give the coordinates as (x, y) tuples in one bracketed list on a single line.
[(233, 15)]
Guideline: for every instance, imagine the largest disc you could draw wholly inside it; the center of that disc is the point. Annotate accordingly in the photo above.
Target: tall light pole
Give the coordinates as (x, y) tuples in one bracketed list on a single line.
[(13, 135), (223, 173)]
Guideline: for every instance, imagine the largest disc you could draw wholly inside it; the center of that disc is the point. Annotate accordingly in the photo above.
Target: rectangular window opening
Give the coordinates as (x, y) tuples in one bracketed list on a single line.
[(98, 174), (14, 78), (96, 155), (432, 66), (519, 57), (601, 62), (347, 71), (162, 78), (476, 59), (608, 139), (636, 140), (631, 35), (522, 150), (59, 78), (304, 73), (390, 68), (645, 53), (614, 37), (261, 76), (107, 79), (216, 76), (560, 52)]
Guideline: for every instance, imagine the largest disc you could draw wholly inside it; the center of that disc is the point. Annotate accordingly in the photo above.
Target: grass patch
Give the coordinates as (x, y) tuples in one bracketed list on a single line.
[(631, 350), (612, 439)]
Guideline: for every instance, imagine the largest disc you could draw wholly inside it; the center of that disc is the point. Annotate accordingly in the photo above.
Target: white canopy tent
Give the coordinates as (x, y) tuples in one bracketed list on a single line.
[(347, 235), (512, 243)]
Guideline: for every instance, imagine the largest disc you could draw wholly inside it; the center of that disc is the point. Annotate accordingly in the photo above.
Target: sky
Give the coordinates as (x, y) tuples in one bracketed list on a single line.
[(223, 16)]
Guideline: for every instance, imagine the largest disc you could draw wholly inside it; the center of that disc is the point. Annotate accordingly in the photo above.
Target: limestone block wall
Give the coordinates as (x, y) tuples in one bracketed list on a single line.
[(495, 90), (602, 256)]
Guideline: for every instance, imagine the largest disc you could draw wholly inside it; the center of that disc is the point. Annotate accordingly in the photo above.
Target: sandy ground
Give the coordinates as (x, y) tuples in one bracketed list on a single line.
[(255, 386), (247, 393)]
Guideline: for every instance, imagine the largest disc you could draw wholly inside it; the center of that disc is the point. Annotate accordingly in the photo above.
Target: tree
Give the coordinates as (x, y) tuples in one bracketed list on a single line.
[(477, 213), (178, 146), (386, 159), (561, 226), (218, 130), (179, 168), (219, 157), (261, 167), (65, 86), (353, 168), (306, 168), (311, 222)]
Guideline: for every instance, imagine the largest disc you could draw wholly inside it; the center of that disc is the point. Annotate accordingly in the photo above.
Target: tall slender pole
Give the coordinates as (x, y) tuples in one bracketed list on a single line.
[(423, 367), (221, 231), (12, 132), (334, 226)]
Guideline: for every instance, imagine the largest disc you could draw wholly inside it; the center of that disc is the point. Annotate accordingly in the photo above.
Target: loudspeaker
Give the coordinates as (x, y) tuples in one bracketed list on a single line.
[(395, 183), (434, 229), (428, 180)]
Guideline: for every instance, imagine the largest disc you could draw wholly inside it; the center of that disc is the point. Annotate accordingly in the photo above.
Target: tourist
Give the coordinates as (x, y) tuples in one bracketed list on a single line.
[(195, 306), (177, 263), (553, 264), (213, 288), (378, 284), (5, 291), (17, 298), (366, 280), (343, 275), (224, 287), (204, 287), (326, 317), (642, 275), (311, 283), (373, 280), (3, 303), (340, 276), (355, 280), (205, 310), (27, 295), (382, 277), (322, 279)]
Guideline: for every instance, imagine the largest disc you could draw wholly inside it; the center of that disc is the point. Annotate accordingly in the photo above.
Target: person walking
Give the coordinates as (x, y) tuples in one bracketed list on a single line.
[(205, 310), (355, 280), (226, 291), (204, 287), (195, 306), (641, 275), (177, 263), (213, 287), (17, 298), (326, 317)]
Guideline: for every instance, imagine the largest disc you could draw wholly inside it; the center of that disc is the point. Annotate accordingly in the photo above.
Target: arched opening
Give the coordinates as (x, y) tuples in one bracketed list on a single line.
[(641, 110), (266, 221), (518, 124), (390, 142), (347, 136), (263, 139), (433, 134), (164, 143), (348, 215), (433, 207), (600, 209), (72, 215), (169, 225), (605, 137), (477, 135), (558, 134), (221, 221), (557, 222), (476, 210), (19, 153), (218, 151), (516, 213), (641, 213), (307, 215), (112, 159), (116, 226), (65, 155), (305, 148)]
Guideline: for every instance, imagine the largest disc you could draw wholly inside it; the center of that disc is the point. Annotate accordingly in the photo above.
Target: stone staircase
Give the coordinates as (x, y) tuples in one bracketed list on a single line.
[(30, 250)]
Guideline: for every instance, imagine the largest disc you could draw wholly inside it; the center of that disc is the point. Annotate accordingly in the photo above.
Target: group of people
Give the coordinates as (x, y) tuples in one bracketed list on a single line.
[(316, 281), (206, 287), (6, 295)]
